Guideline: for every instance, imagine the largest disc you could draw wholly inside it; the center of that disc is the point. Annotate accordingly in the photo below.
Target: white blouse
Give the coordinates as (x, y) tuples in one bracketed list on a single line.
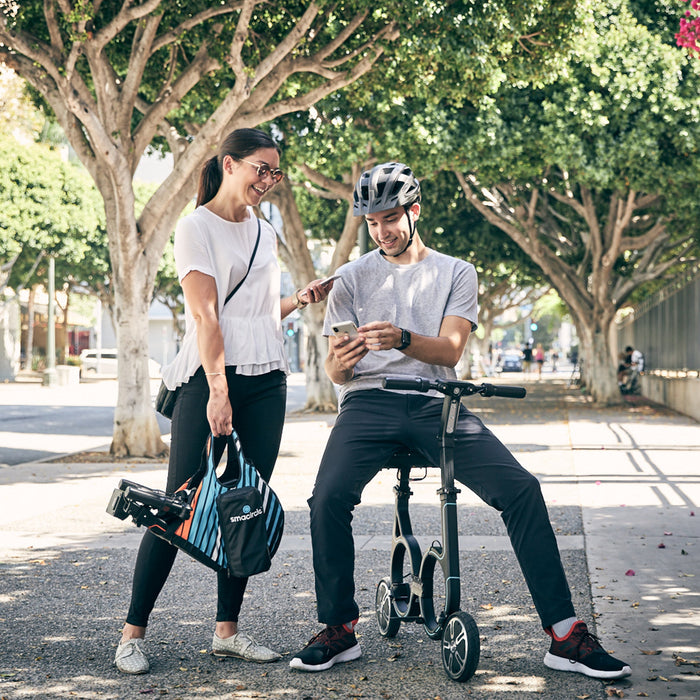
[(250, 322)]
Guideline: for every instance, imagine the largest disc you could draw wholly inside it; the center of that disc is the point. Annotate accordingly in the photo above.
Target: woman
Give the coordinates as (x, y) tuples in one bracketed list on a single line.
[(539, 358), (231, 368)]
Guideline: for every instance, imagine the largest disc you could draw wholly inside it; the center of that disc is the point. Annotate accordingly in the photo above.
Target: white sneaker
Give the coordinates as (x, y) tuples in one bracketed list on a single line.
[(244, 647), (131, 657)]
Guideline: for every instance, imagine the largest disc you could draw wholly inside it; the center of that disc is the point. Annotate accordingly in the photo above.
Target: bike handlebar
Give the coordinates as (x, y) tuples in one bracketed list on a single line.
[(453, 387)]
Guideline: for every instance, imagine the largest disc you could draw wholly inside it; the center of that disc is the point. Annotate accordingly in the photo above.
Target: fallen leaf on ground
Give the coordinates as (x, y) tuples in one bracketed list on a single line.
[(649, 652), (680, 661), (629, 572)]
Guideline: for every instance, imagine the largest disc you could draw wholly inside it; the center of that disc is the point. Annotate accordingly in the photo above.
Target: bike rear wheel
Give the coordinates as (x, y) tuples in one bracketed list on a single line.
[(387, 619)]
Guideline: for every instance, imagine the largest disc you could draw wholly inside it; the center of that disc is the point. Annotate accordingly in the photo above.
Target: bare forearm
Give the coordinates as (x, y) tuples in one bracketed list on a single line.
[(287, 305), (210, 343), (434, 351)]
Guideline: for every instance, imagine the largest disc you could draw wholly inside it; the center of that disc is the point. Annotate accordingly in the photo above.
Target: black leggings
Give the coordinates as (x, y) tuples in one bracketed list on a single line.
[(258, 404)]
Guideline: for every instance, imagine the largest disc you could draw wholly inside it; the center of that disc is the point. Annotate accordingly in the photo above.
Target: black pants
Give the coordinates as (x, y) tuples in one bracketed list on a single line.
[(258, 417), (371, 425)]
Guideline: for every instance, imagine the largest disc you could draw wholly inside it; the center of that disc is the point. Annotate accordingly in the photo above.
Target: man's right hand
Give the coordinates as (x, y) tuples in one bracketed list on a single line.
[(343, 354)]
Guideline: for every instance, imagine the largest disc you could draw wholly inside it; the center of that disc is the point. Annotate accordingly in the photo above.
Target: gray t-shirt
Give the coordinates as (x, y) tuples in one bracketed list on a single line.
[(415, 297)]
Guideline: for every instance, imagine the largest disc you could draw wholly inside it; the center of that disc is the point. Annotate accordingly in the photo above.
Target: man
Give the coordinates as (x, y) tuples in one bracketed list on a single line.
[(415, 308), (628, 380), (527, 357)]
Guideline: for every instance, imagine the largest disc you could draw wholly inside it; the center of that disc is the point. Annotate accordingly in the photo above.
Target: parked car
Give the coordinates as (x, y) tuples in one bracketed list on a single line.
[(511, 362), (108, 365)]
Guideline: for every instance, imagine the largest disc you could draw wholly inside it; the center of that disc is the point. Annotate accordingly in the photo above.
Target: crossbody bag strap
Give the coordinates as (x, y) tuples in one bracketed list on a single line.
[(250, 264)]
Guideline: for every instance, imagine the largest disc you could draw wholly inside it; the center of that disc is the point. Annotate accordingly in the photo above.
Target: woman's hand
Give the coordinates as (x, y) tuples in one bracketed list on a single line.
[(316, 291), (219, 413)]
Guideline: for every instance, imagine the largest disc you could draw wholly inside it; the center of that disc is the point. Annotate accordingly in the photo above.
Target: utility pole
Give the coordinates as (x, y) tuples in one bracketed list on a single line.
[(50, 371)]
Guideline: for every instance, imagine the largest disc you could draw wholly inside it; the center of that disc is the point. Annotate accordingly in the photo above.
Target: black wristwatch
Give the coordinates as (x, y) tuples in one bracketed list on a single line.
[(405, 339)]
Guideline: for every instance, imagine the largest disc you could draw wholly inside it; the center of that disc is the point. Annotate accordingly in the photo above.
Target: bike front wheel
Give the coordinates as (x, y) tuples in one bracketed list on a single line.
[(460, 647)]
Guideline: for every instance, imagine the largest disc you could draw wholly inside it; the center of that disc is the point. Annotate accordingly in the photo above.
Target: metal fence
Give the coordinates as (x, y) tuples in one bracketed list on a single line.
[(666, 328)]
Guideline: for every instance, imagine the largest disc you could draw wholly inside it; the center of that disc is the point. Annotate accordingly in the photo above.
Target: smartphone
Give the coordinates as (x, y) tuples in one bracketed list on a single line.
[(324, 282), (343, 328), (328, 280)]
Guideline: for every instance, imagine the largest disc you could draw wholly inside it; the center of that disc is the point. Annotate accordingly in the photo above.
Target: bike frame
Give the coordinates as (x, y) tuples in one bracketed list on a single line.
[(415, 601)]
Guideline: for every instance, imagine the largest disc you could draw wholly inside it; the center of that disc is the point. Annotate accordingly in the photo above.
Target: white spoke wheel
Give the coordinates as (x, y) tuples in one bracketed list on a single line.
[(387, 619), (460, 646)]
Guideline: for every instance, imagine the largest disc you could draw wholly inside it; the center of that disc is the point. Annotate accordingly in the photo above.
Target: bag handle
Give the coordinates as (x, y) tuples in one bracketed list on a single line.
[(250, 264), (206, 463)]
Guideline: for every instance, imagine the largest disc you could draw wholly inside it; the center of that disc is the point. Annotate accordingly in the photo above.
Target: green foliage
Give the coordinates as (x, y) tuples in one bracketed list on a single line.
[(623, 116), (449, 224), (49, 207), (624, 113)]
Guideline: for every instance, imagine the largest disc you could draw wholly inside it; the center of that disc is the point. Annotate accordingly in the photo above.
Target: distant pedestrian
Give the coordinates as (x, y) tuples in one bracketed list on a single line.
[(555, 358), (538, 356), (527, 358)]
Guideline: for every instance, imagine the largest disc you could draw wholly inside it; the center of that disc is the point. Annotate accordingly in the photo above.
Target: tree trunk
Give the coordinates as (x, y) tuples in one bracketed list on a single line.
[(320, 392), (136, 430), (10, 331), (598, 373)]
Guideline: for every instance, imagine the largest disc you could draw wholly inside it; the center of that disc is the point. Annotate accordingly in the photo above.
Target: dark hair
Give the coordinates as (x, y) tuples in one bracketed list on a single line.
[(629, 348), (238, 144)]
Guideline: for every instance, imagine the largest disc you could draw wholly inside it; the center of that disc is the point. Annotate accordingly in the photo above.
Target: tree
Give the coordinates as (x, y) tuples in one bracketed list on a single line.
[(397, 113), (595, 176), (121, 76), (48, 208), (508, 279)]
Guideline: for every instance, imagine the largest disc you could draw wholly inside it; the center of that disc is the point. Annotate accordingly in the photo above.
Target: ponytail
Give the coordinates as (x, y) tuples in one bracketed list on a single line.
[(209, 181)]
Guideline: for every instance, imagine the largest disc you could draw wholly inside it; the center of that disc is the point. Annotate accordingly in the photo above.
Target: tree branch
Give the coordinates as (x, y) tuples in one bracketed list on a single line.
[(336, 190), (173, 35)]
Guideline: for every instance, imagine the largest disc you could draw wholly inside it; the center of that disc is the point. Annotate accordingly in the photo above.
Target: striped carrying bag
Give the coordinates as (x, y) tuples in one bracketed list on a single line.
[(235, 524)]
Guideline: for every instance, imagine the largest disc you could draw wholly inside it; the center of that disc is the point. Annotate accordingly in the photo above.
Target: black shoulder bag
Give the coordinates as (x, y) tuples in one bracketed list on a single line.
[(165, 400)]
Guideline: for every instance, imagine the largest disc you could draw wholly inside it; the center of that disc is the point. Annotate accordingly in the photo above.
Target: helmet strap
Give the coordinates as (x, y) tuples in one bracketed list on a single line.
[(411, 228)]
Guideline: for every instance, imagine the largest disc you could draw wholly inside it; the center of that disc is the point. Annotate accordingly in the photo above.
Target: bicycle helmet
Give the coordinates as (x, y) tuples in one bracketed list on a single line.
[(384, 187)]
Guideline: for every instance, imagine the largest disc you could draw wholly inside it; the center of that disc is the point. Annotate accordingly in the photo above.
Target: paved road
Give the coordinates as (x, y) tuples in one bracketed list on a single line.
[(38, 422), (618, 483)]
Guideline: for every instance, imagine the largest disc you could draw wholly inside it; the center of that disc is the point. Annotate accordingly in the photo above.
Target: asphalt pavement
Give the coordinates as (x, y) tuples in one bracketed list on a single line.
[(621, 485)]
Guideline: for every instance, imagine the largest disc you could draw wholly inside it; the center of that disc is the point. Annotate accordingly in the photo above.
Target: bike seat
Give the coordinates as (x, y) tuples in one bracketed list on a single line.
[(403, 457)]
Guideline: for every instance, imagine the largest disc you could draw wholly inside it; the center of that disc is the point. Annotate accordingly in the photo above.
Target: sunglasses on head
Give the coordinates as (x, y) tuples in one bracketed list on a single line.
[(264, 170)]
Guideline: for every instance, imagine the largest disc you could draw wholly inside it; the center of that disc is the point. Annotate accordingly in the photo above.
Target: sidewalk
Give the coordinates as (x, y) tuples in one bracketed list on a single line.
[(618, 483)]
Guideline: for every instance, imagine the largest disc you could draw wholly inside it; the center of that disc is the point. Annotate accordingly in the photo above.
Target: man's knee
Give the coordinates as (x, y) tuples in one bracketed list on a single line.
[(329, 504), (527, 492)]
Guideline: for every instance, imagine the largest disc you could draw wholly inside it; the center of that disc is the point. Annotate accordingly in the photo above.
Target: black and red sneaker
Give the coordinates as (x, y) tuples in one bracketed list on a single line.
[(332, 645), (580, 652)]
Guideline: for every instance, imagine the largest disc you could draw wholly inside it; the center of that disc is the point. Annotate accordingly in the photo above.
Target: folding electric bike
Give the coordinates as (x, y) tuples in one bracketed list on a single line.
[(146, 506), (411, 597)]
